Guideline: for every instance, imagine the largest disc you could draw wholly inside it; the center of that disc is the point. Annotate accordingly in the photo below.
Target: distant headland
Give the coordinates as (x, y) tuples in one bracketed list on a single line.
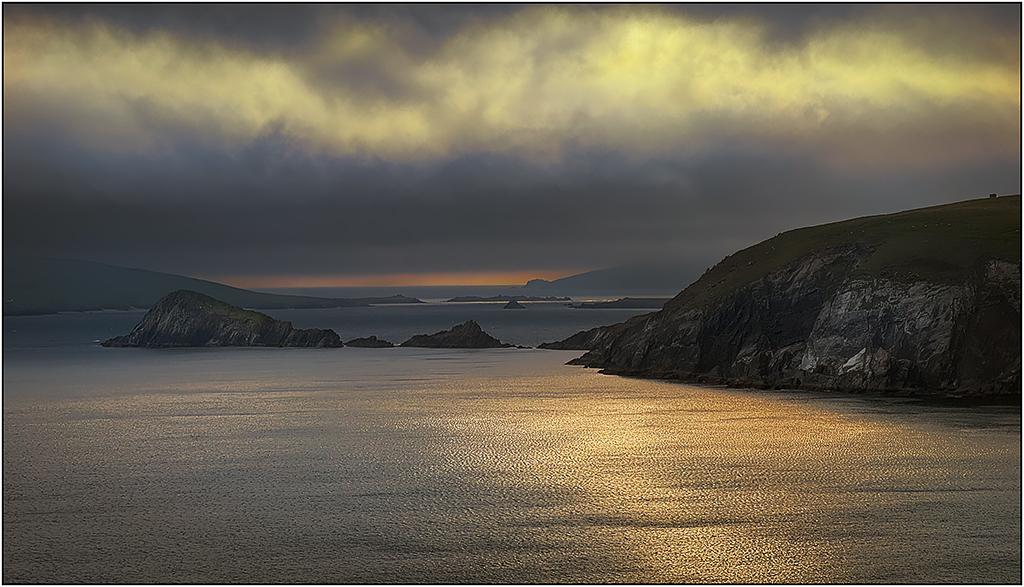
[(925, 301)]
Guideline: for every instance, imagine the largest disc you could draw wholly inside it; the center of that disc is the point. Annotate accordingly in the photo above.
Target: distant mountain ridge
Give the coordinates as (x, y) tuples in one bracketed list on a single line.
[(38, 285), (664, 277)]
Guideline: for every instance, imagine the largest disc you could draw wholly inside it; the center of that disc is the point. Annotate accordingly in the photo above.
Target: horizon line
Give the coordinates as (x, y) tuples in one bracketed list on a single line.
[(494, 278)]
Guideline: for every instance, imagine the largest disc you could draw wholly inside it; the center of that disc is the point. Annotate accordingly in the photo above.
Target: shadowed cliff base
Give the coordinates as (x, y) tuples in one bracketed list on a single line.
[(926, 301)]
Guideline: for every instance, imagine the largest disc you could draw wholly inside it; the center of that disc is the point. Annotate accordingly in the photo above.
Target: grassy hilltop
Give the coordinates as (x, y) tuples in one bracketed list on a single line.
[(939, 244)]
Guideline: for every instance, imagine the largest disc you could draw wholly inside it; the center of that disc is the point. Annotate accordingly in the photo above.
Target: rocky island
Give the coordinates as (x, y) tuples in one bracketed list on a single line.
[(926, 301), (369, 342), (467, 335), (190, 319)]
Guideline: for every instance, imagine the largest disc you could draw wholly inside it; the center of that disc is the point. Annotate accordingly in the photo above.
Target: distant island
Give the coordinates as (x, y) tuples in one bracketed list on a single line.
[(369, 342), (508, 298), (191, 319), (467, 335), (37, 285), (629, 303), (925, 301)]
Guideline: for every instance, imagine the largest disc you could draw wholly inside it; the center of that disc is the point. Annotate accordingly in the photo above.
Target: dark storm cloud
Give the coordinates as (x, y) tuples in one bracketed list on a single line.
[(269, 209), (364, 139), (287, 26)]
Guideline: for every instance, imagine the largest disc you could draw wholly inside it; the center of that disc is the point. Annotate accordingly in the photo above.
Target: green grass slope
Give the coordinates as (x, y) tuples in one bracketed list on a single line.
[(939, 244)]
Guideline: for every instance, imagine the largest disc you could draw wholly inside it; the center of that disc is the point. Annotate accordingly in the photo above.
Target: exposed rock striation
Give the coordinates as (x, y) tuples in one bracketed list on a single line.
[(468, 335), (189, 319), (924, 301)]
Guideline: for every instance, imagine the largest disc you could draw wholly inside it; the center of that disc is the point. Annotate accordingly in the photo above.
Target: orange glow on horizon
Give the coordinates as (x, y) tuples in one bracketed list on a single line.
[(389, 280)]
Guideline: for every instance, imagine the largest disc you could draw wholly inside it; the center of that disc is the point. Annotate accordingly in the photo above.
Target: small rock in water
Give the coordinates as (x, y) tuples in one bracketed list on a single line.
[(467, 335), (369, 342)]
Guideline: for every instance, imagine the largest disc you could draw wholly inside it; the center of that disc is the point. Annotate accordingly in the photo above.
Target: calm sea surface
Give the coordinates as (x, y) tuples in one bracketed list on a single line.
[(475, 466)]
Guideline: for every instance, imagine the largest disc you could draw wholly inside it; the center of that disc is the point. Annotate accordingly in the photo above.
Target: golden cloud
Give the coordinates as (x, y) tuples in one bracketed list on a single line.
[(536, 83)]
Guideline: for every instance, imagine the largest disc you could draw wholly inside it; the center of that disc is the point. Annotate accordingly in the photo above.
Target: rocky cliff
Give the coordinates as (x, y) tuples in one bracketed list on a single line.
[(924, 301), (468, 335), (189, 319)]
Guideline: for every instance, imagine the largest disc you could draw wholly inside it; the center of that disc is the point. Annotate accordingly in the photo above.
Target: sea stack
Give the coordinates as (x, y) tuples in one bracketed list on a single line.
[(514, 305), (467, 335), (190, 319)]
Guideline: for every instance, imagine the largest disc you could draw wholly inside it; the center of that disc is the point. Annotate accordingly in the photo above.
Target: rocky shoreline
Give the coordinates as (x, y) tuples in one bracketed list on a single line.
[(924, 302)]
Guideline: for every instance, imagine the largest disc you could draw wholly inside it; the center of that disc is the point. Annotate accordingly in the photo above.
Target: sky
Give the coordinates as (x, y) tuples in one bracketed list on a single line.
[(319, 145)]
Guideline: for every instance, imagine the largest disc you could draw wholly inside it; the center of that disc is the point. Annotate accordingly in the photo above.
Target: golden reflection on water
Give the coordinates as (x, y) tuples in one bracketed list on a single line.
[(495, 467), (702, 485)]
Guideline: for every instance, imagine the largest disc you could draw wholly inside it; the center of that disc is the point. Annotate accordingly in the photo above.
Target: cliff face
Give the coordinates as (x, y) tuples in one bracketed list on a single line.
[(468, 335), (926, 301), (189, 319)]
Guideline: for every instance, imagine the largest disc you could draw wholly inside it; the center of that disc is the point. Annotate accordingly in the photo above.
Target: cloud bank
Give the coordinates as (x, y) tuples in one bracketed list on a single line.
[(380, 139)]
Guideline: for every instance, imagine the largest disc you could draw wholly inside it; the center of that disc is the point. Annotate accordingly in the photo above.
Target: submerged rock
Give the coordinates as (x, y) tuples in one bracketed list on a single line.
[(190, 319), (468, 335), (369, 342)]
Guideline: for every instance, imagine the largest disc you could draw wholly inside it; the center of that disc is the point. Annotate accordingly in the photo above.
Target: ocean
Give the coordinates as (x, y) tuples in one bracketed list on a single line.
[(254, 465)]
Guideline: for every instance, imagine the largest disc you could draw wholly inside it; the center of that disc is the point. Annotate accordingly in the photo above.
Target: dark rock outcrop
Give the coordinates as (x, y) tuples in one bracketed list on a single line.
[(922, 302), (513, 305), (369, 342), (468, 335), (189, 319)]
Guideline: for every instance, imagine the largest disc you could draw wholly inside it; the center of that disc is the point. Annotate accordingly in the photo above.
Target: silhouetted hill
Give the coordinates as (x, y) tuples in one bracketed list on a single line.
[(37, 285), (654, 278)]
